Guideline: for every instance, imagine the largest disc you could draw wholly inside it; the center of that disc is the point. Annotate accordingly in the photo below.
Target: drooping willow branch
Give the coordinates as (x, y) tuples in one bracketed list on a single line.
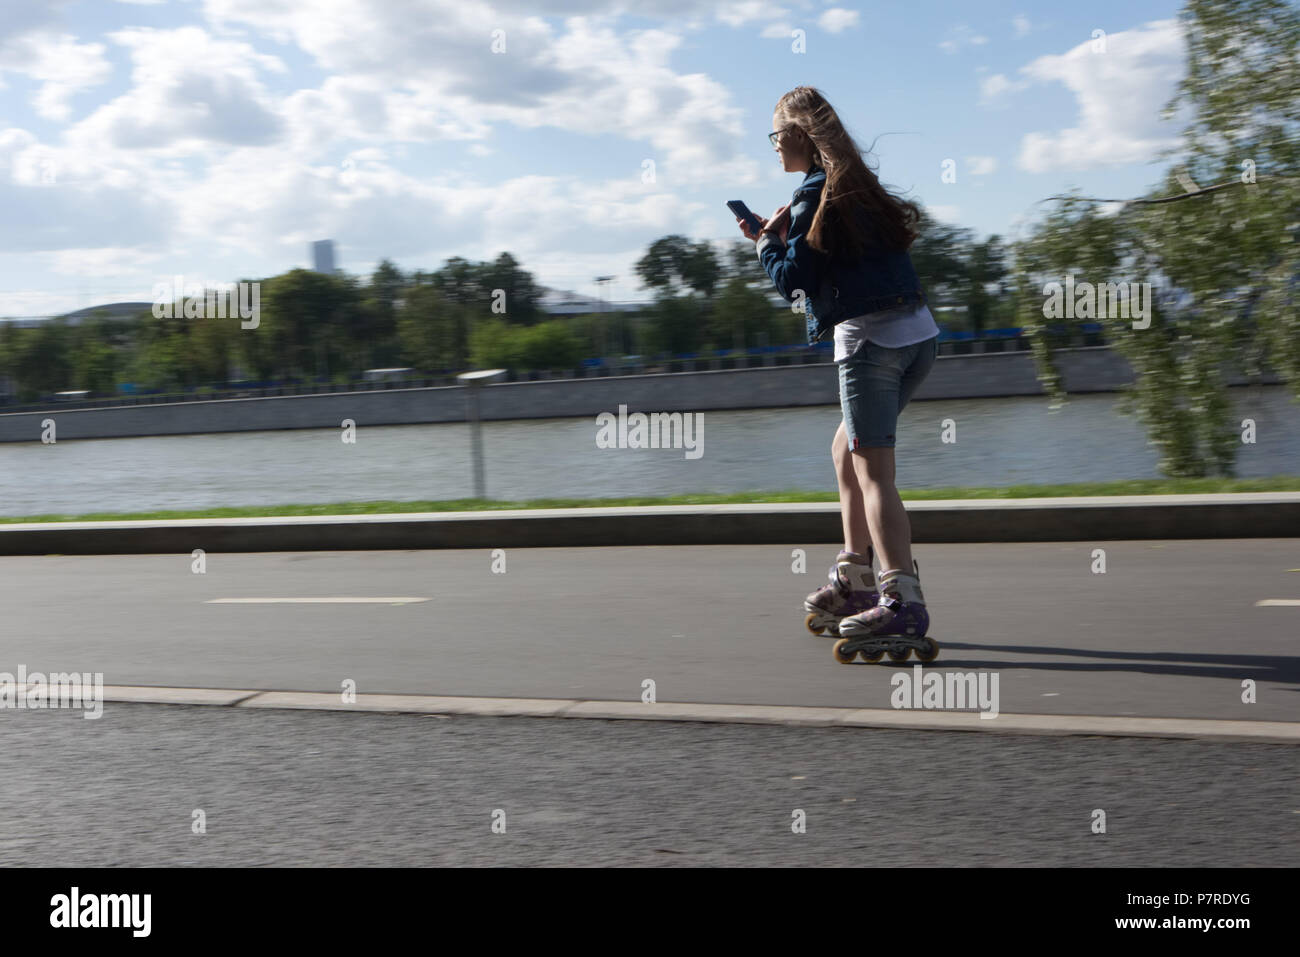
[(1165, 199), (1149, 202)]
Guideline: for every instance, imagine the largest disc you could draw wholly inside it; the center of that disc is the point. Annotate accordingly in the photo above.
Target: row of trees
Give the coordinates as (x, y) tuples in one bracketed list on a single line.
[(312, 326), (322, 327)]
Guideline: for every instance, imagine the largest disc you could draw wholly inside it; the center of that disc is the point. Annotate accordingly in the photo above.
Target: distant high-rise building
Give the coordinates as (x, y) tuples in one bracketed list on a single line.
[(322, 256)]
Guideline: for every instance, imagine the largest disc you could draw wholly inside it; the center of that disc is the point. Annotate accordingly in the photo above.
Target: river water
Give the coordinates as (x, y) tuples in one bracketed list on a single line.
[(1004, 441)]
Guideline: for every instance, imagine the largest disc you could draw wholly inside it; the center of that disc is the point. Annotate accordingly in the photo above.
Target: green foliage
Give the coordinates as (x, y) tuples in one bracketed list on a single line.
[(94, 360), (740, 261), (433, 330), (1242, 84), (940, 255), (548, 345), (379, 303), (493, 345), (43, 359), (1232, 254), (986, 265), (311, 319), (706, 301), (159, 360), (474, 285), (521, 292), (955, 269), (674, 264), (676, 324), (743, 317), (312, 326), (1078, 489), (609, 333)]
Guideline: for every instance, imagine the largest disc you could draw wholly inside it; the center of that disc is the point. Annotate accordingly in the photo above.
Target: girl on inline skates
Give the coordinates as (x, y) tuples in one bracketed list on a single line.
[(841, 246)]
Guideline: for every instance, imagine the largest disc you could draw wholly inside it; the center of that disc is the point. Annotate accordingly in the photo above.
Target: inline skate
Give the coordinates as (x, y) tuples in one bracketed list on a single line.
[(852, 589), (896, 626)]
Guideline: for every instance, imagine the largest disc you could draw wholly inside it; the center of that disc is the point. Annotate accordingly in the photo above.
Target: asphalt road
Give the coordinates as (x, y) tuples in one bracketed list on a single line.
[(1170, 629), (284, 788)]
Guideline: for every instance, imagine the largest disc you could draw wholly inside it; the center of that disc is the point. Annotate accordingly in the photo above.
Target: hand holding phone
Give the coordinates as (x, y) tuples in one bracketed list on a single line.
[(746, 216)]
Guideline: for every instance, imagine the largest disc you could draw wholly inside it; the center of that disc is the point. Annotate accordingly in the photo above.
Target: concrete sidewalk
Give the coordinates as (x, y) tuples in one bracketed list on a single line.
[(1206, 729), (1100, 518)]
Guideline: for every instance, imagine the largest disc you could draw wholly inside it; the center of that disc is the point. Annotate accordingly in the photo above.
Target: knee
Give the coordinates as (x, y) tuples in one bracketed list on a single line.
[(844, 466), (840, 448), (875, 466)]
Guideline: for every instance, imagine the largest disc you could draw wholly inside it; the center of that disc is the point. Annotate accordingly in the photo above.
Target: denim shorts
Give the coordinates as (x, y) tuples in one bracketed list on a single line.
[(876, 383)]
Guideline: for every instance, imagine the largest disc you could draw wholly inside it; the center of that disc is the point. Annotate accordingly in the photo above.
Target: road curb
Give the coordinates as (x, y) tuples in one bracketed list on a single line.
[(1100, 518), (1276, 732)]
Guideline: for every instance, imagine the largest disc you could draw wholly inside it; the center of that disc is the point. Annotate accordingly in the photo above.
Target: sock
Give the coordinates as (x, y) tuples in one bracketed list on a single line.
[(856, 570), (905, 585)]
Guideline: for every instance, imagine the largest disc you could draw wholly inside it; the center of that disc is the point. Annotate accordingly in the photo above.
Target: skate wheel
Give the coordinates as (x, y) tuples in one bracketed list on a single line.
[(930, 651), (899, 655), (873, 654), (808, 623), (842, 656)]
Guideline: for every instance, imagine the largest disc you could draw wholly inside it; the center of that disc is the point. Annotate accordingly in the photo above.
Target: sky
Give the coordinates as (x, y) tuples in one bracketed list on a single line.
[(216, 139)]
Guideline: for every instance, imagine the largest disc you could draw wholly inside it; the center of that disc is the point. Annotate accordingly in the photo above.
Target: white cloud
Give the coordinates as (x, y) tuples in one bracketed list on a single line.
[(21, 20), (736, 13), (946, 214), (992, 86), (189, 91), (837, 18), (997, 85), (69, 197), (207, 154), (1120, 94), (21, 303), (1021, 24), (587, 79), (981, 165), (959, 36), (103, 220), (100, 261), (59, 63)]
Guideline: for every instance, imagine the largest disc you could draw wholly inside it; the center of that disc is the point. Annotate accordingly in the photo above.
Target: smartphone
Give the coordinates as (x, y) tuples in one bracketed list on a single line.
[(743, 211)]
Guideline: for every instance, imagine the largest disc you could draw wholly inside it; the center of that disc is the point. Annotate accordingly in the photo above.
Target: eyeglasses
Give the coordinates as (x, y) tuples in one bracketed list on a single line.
[(771, 137)]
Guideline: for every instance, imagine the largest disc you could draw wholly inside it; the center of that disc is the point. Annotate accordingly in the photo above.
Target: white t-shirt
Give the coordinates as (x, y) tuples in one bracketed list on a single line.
[(892, 328)]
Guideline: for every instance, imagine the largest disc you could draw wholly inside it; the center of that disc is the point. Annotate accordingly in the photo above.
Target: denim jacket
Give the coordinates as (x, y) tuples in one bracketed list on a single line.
[(834, 291)]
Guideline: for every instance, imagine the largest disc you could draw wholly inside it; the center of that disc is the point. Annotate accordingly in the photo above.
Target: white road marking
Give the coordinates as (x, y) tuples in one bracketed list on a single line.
[(1277, 601), (312, 601)]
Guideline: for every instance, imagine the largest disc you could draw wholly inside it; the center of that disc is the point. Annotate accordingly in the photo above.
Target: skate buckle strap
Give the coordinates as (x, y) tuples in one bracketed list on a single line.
[(890, 602), (838, 581)]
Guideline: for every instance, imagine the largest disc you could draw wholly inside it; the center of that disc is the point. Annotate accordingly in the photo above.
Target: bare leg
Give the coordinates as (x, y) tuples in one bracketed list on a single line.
[(853, 511), (886, 518)]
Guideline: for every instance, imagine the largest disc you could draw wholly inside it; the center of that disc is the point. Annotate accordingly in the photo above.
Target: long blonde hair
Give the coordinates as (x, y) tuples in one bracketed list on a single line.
[(851, 185)]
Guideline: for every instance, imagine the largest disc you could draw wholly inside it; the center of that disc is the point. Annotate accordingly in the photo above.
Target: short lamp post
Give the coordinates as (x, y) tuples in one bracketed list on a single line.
[(473, 380)]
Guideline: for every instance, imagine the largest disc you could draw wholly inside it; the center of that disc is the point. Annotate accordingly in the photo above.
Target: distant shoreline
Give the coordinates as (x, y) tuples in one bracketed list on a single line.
[(1083, 370)]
